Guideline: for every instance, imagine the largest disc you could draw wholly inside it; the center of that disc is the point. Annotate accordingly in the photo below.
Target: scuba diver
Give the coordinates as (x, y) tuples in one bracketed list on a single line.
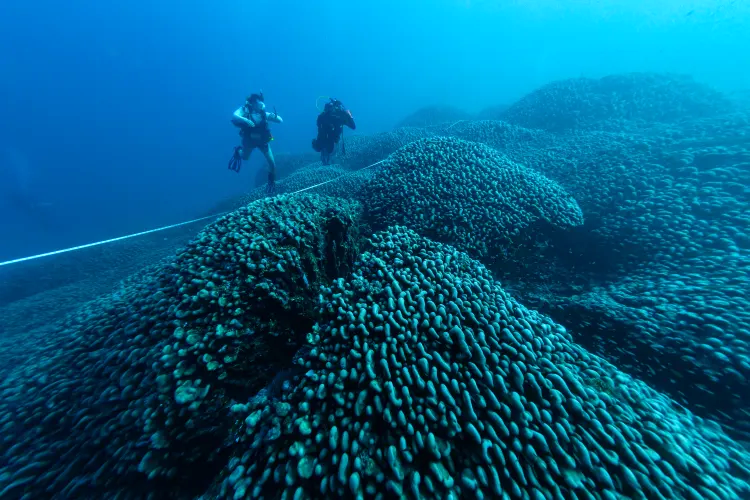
[(330, 128), (252, 119)]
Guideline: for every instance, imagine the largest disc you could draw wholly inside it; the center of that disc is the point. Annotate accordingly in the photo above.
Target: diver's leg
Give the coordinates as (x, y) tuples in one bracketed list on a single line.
[(271, 163), (247, 148), (328, 148)]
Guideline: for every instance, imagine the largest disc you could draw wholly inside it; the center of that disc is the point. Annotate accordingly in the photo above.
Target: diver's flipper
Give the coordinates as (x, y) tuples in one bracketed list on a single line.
[(235, 162), (271, 186)]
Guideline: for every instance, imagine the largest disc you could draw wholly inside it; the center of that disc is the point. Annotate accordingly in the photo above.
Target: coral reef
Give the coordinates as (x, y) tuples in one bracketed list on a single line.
[(428, 380), (131, 395), (497, 309), (616, 102), (467, 194), (286, 164)]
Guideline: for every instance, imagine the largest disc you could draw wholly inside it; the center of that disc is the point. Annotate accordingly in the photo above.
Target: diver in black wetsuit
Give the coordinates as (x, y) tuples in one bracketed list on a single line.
[(330, 127)]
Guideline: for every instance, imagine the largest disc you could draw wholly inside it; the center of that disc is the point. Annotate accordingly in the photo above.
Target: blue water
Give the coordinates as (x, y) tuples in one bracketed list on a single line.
[(115, 117)]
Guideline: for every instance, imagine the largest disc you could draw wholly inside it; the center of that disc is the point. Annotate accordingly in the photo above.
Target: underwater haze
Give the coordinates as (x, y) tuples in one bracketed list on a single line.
[(121, 110), (522, 272)]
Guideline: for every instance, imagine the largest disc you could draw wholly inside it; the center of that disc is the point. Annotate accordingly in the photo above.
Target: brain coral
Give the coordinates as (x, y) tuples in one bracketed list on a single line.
[(466, 194), (427, 380)]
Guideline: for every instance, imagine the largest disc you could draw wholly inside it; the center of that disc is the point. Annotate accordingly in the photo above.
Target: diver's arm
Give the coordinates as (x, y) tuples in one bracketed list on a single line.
[(237, 117), (273, 117), (346, 118)]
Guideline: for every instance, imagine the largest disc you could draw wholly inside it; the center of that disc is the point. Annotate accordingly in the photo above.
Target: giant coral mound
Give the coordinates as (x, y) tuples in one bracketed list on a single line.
[(467, 194), (428, 380), (616, 102), (137, 388), (417, 375), (662, 263)]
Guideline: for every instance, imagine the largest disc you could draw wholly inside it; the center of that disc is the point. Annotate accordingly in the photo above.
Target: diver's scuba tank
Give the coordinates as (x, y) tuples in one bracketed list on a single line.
[(261, 132)]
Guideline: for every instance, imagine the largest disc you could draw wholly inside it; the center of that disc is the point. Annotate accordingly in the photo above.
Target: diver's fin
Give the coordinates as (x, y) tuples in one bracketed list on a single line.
[(235, 162)]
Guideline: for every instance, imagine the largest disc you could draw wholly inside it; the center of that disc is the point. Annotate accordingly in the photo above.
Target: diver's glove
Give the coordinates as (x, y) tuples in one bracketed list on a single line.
[(271, 188)]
